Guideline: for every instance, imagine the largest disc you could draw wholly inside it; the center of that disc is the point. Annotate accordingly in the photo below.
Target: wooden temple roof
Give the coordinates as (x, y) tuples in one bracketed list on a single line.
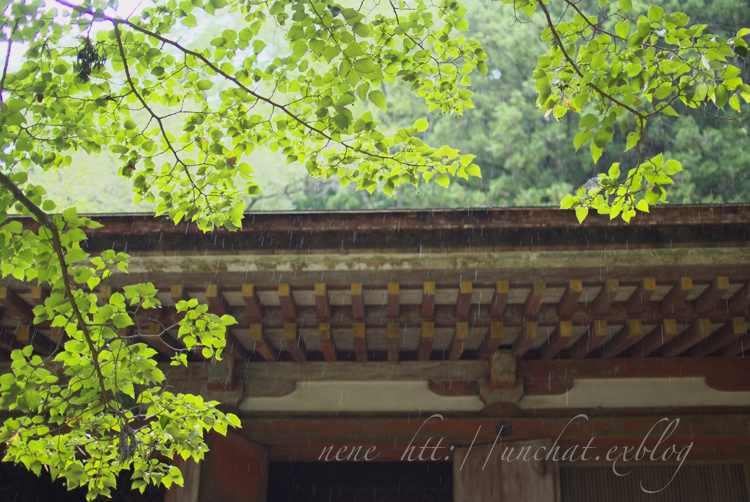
[(666, 295)]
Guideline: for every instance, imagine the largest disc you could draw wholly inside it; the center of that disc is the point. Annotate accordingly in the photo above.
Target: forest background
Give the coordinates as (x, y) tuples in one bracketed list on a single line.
[(527, 159)]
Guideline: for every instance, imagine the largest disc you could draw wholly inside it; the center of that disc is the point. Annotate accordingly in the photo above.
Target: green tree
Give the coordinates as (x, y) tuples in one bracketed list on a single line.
[(180, 117)]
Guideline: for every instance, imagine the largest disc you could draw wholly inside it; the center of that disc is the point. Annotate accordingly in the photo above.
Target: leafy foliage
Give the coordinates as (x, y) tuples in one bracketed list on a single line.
[(91, 80)]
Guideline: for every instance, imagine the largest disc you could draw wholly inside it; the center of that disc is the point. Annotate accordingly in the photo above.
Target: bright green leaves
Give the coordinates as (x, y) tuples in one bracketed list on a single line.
[(377, 98), (621, 80), (179, 117)]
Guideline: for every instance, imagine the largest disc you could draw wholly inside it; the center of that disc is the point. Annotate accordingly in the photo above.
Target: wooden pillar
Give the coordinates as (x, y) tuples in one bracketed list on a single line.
[(233, 470), (480, 474)]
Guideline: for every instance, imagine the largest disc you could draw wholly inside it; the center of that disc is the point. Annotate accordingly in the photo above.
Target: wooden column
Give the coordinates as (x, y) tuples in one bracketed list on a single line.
[(480, 474), (233, 470)]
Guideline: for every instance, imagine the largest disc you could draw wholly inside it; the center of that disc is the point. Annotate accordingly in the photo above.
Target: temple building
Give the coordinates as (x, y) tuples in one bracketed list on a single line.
[(455, 355)]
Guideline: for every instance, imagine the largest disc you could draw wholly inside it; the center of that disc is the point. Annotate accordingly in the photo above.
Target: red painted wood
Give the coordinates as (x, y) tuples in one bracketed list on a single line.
[(234, 470), (640, 297)]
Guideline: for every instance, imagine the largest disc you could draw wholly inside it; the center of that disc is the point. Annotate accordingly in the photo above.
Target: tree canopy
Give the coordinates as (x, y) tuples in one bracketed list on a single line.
[(306, 79)]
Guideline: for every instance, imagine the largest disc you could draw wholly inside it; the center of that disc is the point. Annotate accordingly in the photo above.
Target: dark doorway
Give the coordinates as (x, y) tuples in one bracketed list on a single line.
[(360, 482)]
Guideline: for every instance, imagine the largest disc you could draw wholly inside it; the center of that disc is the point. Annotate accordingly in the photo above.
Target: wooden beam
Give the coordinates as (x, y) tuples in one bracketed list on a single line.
[(8, 341), (252, 302), (696, 333), (534, 300), (57, 335), (740, 300), (737, 348), (154, 338), (261, 344), (303, 439), (425, 341), (729, 374), (624, 339), (326, 342), (661, 335), (428, 300), (177, 293), (463, 303), (394, 300), (321, 301), (216, 301), (525, 339), (293, 343), (730, 332), (39, 294), (591, 340), (677, 295), (492, 340), (606, 297), (459, 341), (358, 304), (712, 295), (558, 340), (105, 292), (640, 297), (570, 297), (288, 306), (15, 304), (499, 299), (393, 342), (27, 334), (360, 343)]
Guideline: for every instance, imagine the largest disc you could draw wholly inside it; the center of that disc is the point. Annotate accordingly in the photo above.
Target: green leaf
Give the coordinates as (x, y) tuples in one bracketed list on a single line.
[(443, 180), (421, 125), (642, 206), (567, 202), (655, 13), (377, 98), (581, 213), (122, 321), (625, 5)]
